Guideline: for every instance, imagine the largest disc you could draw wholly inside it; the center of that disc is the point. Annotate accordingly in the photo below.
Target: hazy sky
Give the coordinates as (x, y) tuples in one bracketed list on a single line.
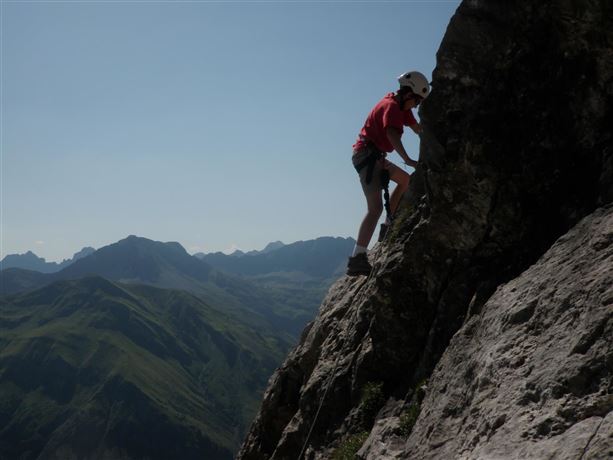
[(214, 124)]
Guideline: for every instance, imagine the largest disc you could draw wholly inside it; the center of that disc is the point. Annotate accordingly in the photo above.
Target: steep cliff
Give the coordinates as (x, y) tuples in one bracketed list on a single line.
[(517, 149)]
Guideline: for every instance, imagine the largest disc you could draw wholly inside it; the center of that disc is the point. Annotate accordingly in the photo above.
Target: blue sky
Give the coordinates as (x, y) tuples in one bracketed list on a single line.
[(214, 124)]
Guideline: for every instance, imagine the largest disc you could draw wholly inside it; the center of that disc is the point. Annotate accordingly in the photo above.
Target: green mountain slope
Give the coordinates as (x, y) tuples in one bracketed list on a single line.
[(13, 280), (91, 368)]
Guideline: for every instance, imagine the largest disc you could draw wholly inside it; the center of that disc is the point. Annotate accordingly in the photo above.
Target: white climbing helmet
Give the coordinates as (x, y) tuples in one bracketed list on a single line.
[(417, 81)]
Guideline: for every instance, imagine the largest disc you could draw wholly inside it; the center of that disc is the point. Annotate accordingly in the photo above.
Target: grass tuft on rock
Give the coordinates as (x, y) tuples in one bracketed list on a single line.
[(410, 415), (372, 400), (408, 419), (348, 449)]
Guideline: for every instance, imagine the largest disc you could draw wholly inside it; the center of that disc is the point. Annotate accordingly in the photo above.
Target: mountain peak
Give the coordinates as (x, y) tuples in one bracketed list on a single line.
[(135, 239), (28, 261), (271, 247), (83, 253), (136, 258), (148, 243)]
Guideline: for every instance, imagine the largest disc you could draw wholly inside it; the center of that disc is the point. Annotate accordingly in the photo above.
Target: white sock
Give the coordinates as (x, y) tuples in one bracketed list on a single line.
[(358, 250)]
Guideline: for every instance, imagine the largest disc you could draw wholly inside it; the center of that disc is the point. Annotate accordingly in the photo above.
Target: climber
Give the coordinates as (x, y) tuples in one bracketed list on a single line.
[(381, 134)]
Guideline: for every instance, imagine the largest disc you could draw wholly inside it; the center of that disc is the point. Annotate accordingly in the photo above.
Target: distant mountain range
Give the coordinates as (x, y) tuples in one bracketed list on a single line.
[(139, 350), (320, 258), (30, 261), (261, 286), (269, 247)]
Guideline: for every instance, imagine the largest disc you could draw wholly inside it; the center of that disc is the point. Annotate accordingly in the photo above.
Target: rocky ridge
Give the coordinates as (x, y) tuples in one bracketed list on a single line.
[(517, 149)]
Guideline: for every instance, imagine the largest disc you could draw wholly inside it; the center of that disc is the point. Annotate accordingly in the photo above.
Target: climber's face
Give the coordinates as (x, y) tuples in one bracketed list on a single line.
[(411, 101)]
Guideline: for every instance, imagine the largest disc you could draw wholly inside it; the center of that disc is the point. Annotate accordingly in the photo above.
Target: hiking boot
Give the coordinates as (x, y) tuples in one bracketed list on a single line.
[(358, 265), (382, 232)]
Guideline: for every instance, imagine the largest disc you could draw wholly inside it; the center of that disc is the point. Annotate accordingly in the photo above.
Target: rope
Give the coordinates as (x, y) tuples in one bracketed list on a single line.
[(321, 402)]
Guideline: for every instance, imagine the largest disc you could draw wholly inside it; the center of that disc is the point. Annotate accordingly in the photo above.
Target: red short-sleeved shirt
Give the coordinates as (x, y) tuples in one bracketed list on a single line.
[(386, 113)]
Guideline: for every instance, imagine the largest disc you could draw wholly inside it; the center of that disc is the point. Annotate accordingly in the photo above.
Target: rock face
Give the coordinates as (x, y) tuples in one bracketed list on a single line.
[(517, 149), (530, 376)]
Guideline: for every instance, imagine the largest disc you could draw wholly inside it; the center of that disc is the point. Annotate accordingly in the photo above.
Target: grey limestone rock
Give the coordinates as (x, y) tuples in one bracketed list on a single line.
[(530, 376)]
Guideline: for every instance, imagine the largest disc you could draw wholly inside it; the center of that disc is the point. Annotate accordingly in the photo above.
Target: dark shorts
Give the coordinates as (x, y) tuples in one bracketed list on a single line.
[(375, 184)]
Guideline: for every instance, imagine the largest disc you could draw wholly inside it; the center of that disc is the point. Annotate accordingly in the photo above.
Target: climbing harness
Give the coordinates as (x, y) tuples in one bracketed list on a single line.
[(369, 162), (331, 375)]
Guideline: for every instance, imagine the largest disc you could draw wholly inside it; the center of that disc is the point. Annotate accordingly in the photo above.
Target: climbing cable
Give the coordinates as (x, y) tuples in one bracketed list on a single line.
[(321, 402)]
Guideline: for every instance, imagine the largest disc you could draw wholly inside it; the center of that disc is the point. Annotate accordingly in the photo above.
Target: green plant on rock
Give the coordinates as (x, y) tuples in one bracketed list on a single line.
[(409, 416), (408, 419), (348, 449), (371, 401)]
